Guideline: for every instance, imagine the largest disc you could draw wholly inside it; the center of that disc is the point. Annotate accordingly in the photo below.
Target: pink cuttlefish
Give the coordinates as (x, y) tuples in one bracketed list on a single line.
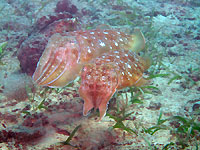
[(111, 71), (66, 54)]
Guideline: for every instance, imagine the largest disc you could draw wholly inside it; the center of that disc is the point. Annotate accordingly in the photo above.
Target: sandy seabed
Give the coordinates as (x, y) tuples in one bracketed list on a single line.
[(172, 33)]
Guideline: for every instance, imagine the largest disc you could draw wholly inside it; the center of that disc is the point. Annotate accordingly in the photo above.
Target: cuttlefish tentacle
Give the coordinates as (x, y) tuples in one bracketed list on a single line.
[(96, 91)]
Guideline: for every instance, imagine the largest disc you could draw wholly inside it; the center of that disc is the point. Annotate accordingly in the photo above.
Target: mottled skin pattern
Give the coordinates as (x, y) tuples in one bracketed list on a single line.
[(98, 84), (107, 73), (104, 55), (66, 54)]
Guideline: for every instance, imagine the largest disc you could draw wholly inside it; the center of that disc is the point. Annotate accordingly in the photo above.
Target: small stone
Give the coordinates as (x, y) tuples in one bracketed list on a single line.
[(196, 107), (154, 106)]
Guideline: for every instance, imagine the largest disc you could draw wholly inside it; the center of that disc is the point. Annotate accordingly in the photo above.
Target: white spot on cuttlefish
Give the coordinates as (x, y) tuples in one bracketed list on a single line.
[(89, 50), (129, 66), (103, 78), (129, 74), (102, 43), (88, 76)]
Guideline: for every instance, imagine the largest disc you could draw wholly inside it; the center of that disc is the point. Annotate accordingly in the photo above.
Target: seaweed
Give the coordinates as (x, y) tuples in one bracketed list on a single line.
[(67, 142), (31, 98), (2, 51), (122, 115), (158, 126), (172, 75), (167, 145), (188, 126), (175, 77), (119, 122), (137, 92), (135, 97), (41, 105), (187, 129), (35, 108), (43, 5), (151, 76), (158, 62)]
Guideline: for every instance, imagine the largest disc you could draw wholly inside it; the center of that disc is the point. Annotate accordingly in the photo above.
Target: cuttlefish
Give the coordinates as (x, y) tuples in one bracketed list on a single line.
[(111, 71), (66, 54)]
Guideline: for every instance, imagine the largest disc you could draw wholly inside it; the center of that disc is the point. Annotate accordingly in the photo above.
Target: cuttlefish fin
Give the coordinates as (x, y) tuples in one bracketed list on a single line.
[(141, 81), (138, 41), (146, 61)]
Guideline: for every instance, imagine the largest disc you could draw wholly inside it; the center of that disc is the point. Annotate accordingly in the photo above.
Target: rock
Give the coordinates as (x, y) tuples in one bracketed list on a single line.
[(65, 6), (32, 48)]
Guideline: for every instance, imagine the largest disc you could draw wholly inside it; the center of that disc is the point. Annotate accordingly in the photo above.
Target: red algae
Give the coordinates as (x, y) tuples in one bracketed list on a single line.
[(66, 6), (32, 48)]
